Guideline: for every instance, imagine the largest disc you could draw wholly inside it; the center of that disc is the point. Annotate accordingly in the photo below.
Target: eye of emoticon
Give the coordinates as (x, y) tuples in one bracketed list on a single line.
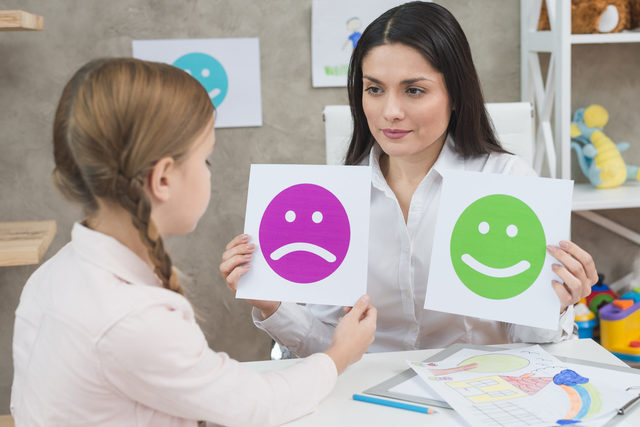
[(483, 227), (317, 217), (512, 231), (290, 216)]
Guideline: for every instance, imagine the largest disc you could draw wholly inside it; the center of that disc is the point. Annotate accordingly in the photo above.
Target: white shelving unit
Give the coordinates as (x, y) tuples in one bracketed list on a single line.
[(553, 95)]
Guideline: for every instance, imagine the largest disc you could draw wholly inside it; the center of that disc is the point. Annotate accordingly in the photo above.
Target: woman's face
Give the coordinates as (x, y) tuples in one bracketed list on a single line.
[(405, 101)]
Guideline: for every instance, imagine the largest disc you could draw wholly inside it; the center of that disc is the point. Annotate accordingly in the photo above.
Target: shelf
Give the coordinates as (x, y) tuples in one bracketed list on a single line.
[(19, 20), (25, 242), (586, 197), (623, 37)]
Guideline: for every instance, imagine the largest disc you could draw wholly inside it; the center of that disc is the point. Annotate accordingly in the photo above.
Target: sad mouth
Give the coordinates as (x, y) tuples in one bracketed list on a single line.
[(514, 270), (302, 246)]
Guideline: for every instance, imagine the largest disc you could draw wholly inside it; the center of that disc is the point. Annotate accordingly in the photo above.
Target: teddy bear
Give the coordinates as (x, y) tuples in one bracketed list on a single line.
[(598, 16)]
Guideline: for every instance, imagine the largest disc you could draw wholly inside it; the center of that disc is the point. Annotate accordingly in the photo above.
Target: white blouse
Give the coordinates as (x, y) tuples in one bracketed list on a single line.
[(399, 256), (99, 342)]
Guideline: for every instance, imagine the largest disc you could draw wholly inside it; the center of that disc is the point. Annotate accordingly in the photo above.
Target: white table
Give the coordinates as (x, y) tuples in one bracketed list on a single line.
[(339, 409)]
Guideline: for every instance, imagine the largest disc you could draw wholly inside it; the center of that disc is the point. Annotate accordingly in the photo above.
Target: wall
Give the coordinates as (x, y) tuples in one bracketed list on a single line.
[(35, 66)]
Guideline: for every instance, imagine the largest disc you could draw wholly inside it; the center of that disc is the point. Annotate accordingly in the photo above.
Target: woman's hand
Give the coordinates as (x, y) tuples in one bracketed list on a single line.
[(354, 334), (235, 263), (578, 272)]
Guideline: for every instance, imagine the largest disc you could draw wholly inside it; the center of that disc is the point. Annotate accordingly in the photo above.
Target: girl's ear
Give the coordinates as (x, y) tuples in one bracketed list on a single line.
[(158, 181)]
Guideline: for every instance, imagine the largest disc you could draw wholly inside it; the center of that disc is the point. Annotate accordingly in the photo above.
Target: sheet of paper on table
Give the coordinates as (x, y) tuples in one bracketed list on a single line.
[(526, 386)]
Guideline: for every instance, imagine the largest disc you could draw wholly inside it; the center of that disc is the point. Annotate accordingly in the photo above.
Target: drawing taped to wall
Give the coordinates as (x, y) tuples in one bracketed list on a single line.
[(336, 27), (229, 70)]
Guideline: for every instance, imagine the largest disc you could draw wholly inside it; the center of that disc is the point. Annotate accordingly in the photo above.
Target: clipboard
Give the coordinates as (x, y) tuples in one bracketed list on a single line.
[(384, 389)]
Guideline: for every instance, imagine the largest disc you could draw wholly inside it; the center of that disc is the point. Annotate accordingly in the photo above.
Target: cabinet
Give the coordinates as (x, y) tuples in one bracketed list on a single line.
[(551, 97)]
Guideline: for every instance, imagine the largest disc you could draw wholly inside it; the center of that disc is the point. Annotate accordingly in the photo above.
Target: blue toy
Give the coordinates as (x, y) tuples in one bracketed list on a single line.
[(599, 157)]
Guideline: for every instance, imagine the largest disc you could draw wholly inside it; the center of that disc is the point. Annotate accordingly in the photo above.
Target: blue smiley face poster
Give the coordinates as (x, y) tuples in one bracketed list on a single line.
[(228, 69)]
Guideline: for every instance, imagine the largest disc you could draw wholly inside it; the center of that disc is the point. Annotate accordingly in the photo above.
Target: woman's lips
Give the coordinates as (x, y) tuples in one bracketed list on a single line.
[(395, 133)]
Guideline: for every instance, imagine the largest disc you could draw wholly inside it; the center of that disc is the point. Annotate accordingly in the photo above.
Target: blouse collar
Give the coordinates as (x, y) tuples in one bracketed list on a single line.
[(109, 254)]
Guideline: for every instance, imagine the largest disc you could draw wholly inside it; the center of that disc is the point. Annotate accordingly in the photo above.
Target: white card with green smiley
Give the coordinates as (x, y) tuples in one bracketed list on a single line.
[(489, 257)]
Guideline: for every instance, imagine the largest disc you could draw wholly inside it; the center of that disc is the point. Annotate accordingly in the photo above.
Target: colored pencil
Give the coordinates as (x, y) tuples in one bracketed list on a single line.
[(393, 404)]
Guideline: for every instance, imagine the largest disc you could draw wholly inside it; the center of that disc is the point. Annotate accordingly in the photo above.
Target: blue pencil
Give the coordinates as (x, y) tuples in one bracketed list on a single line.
[(393, 404)]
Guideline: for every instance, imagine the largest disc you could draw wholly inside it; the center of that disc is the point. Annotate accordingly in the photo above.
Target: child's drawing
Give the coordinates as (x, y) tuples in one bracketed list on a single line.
[(522, 387)]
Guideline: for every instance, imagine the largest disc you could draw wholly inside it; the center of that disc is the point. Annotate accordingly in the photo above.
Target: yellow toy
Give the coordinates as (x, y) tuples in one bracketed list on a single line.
[(599, 157), (620, 328)]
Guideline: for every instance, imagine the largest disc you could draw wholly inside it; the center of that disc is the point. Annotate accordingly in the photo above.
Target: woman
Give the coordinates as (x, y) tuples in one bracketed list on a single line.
[(417, 109)]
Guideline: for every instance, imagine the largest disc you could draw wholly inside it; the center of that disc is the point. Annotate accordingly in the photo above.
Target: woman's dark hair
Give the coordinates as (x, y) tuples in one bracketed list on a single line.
[(434, 32)]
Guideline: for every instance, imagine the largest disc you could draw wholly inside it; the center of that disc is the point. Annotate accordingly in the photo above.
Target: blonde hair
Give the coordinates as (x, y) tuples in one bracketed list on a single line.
[(116, 118)]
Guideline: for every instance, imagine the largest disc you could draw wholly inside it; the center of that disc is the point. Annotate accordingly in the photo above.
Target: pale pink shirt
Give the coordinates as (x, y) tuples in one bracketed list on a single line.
[(399, 256), (98, 342)]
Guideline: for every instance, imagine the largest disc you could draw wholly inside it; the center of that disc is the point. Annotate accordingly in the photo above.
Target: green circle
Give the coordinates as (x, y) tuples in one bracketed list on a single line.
[(598, 301), (498, 247), (496, 363)]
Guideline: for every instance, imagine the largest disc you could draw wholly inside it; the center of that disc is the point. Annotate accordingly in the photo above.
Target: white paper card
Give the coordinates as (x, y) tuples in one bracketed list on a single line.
[(489, 257), (229, 69), (310, 224)]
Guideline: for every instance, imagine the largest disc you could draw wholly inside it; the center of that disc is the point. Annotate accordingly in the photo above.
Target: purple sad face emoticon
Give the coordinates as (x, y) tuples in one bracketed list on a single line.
[(304, 233)]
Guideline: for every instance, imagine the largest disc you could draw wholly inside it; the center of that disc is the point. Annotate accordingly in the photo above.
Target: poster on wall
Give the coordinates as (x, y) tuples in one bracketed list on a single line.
[(310, 225), (490, 256), (336, 27), (229, 69)]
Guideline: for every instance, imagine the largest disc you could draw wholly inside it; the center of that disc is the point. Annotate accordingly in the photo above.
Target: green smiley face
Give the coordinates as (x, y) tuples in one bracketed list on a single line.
[(498, 247)]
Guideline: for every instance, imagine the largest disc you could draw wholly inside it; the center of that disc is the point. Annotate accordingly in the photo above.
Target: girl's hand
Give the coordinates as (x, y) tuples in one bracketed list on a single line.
[(354, 334), (577, 271), (235, 263)]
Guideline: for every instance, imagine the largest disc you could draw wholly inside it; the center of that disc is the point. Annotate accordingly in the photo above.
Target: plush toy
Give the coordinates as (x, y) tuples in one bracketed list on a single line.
[(635, 13), (598, 16), (598, 156)]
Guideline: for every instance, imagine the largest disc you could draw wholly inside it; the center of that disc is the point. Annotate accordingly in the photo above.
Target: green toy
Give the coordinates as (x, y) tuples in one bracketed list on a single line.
[(599, 157)]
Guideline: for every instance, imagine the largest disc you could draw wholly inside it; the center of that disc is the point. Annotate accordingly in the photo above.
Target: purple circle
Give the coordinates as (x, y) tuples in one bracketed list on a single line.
[(304, 233)]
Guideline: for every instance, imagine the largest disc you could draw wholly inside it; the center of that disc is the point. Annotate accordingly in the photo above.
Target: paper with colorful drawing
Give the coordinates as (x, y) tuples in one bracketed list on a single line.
[(526, 386), (490, 247)]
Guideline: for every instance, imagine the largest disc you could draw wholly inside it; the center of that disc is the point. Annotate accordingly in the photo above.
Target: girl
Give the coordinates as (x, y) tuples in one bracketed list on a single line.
[(103, 334), (417, 109)]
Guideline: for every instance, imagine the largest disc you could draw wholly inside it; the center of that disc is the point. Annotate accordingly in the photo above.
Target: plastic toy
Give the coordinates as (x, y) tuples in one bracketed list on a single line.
[(600, 295), (620, 329), (599, 157), (585, 320), (632, 295)]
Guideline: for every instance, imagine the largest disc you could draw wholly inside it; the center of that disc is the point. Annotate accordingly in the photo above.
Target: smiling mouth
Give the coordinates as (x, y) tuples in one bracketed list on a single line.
[(305, 247), (514, 270)]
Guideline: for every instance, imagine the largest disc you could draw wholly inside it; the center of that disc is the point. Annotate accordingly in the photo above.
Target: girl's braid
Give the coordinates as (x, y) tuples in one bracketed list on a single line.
[(131, 196)]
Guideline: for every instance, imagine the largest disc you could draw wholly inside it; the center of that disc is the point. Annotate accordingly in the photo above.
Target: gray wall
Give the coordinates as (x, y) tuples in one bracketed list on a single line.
[(35, 66)]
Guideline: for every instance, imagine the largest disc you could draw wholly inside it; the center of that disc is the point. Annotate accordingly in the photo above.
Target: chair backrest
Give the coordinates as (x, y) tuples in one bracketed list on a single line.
[(513, 122)]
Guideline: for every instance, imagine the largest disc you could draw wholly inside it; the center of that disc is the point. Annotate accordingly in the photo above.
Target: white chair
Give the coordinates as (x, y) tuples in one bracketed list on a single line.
[(513, 122)]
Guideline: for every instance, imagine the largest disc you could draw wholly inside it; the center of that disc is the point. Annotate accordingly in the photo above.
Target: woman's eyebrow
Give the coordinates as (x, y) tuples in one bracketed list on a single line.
[(404, 82), (376, 81), (415, 80)]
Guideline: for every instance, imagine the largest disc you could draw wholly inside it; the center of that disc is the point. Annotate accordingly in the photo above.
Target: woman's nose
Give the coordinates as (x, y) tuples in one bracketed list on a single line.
[(393, 109)]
